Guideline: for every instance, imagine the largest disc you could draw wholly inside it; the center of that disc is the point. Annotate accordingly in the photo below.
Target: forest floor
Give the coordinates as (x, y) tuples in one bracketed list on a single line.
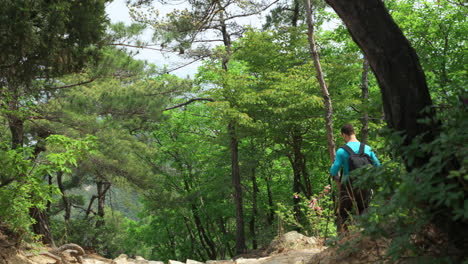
[(290, 248)]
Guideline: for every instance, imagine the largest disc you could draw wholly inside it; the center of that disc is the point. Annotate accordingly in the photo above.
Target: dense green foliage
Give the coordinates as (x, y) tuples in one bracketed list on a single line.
[(109, 149), (403, 205), (26, 187)]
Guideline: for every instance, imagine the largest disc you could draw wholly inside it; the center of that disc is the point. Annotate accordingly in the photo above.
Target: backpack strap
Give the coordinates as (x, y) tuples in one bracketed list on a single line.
[(361, 148), (348, 149), (351, 151)]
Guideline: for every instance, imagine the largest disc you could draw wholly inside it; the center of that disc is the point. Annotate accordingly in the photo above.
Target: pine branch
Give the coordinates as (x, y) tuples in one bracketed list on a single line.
[(71, 85), (253, 13)]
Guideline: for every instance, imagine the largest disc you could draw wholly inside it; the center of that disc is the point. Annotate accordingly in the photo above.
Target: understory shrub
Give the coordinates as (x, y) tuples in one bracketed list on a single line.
[(406, 202)]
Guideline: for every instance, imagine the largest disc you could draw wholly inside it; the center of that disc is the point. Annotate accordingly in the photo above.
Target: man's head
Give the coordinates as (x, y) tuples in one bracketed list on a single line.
[(347, 132)]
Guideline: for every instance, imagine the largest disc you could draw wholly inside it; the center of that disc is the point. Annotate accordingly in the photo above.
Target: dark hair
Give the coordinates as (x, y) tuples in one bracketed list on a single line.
[(347, 130)]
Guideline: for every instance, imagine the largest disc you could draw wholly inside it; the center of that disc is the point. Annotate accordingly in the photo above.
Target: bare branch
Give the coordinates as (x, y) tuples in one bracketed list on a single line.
[(89, 210), (204, 20), (84, 209), (189, 102), (354, 108), (208, 40), (183, 65), (139, 47)]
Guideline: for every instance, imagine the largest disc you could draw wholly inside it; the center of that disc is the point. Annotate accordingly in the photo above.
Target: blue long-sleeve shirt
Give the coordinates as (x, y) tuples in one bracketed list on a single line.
[(342, 156)]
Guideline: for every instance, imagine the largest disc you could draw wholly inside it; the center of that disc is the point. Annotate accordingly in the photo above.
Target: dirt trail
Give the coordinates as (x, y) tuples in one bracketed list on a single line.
[(291, 248)]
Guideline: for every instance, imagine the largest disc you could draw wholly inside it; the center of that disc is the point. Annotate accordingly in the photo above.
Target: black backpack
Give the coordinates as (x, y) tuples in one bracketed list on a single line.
[(357, 160)]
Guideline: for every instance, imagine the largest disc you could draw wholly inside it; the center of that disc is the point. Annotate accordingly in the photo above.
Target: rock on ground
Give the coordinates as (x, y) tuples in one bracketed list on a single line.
[(189, 261), (291, 240), (175, 262)]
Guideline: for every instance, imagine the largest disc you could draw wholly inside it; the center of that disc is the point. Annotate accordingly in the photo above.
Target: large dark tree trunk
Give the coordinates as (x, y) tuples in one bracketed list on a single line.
[(299, 164), (297, 186), (393, 61), (404, 89), (102, 188)]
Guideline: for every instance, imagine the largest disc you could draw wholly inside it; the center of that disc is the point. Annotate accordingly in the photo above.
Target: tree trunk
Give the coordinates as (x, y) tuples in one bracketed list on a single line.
[(222, 227), (41, 227), (271, 213), (172, 243), (254, 208), (66, 202), (102, 188), (295, 16), (234, 146), (296, 188), (301, 181), (296, 200), (89, 210), (17, 131), (321, 80), (205, 240), (236, 182), (299, 164), (49, 203), (15, 122), (192, 238), (365, 100), (101, 198)]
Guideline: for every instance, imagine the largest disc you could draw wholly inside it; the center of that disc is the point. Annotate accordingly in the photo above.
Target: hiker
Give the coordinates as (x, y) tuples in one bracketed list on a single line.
[(351, 198)]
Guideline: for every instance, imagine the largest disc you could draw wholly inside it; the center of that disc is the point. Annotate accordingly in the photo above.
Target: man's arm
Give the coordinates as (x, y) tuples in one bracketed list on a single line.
[(375, 160), (337, 164)]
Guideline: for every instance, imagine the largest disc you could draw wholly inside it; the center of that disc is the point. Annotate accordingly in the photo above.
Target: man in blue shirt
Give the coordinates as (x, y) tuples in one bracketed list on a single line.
[(350, 197)]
